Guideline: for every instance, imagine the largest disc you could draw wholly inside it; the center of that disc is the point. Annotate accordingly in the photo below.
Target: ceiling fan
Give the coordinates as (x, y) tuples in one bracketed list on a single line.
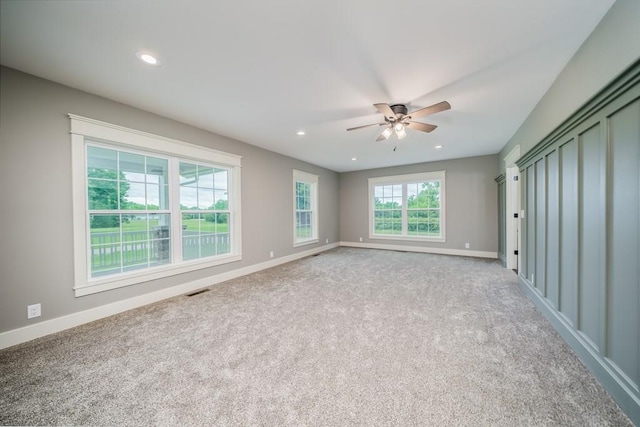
[(397, 119)]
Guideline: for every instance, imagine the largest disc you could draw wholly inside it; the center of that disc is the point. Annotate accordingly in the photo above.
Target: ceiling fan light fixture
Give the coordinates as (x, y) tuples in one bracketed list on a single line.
[(400, 131), (387, 132)]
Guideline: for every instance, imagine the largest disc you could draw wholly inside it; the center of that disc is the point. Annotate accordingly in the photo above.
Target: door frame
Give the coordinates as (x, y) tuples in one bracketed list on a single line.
[(512, 206)]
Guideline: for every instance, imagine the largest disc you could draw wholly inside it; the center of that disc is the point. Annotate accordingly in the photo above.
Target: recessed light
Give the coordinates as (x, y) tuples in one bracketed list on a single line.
[(437, 147), (300, 133), (354, 159), (147, 58)]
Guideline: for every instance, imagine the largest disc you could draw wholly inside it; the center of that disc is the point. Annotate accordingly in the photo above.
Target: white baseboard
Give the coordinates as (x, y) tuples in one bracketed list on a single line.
[(37, 330), (428, 250)]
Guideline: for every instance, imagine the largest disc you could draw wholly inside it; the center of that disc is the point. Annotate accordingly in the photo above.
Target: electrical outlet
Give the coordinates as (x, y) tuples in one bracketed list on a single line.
[(361, 239), (467, 245), (34, 310), (532, 279), (326, 241), (271, 254)]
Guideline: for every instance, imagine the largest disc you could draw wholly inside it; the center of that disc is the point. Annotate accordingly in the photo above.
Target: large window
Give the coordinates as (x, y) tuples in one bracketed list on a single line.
[(305, 206), (128, 210), (147, 207), (407, 207)]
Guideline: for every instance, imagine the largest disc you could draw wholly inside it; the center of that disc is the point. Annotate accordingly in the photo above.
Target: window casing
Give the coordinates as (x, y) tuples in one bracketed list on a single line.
[(305, 208), (147, 207), (408, 207)]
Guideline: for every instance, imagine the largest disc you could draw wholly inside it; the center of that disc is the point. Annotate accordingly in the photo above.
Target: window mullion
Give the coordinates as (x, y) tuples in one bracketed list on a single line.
[(404, 209), (174, 209)]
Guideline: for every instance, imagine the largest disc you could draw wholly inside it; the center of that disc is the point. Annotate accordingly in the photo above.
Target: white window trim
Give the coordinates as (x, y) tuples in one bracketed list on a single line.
[(404, 180), (300, 176), (114, 135)]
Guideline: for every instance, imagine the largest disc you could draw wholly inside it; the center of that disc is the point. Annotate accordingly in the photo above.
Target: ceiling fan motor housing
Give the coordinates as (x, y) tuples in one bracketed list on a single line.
[(399, 109)]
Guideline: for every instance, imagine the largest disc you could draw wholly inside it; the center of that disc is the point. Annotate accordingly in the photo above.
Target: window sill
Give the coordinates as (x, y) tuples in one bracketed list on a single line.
[(305, 242), (94, 286)]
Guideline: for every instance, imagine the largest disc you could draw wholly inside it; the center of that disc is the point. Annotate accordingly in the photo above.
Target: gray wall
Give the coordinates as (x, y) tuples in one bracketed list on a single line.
[(612, 47), (35, 187), (471, 203)]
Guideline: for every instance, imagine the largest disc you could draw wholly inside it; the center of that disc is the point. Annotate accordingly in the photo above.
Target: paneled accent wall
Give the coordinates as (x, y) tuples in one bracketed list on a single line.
[(502, 225), (581, 234)]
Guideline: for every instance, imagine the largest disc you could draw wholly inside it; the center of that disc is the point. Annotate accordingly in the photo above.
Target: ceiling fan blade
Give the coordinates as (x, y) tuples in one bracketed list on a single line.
[(435, 108), (387, 111), (424, 127), (366, 126)]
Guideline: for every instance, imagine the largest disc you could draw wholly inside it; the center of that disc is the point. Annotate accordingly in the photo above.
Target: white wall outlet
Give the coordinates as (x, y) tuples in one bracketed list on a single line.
[(532, 277), (361, 239), (271, 254), (326, 241), (467, 245), (34, 310)]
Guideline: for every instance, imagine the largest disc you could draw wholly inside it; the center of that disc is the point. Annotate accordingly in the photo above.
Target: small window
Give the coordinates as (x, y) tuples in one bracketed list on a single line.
[(305, 207), (407, 207)]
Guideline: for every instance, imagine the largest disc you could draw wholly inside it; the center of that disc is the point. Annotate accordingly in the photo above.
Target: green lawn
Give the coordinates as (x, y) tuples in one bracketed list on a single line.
[(141, 225)]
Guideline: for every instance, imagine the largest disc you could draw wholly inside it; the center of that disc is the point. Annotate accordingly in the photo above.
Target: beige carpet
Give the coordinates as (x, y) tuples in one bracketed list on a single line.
[(349, 337)]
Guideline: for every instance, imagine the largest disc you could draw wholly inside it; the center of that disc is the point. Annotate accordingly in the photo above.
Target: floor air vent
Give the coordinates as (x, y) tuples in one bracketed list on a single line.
[(201, 291)]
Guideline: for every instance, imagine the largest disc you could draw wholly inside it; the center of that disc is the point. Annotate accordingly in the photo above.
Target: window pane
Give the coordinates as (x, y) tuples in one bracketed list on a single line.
[(431, 191), (190, 236), (221, 179), (208, 223), (303, 196), (157, 170), (205, 198), (157, 197), (188, 198), (134, 227), (204, 235), (207, 245), (102, 194), (132, 166), (222, 222), (105, 229), (160, 235), (205, 177), (102, 163), (188, 174), (303, 225), (104, 244), (222, 204), (132, 195), (135, 241)]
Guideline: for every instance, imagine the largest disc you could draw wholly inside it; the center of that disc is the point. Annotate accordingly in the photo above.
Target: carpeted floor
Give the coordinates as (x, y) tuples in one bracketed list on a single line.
[(349, 337)]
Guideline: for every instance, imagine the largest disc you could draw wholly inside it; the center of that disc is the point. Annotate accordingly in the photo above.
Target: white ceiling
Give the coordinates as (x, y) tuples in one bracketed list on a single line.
[(258, 71)]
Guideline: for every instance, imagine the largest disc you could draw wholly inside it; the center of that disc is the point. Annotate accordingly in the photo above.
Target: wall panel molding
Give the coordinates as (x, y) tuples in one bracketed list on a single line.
[(581, 234), (618, 87)]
